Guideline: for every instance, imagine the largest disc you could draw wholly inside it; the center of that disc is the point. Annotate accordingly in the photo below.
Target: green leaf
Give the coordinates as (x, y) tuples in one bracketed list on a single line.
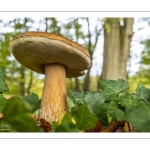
[(76, 97), (2, 102), (139, 117), (70, 103), (54, 126), (66, 125), (84, 119), (112, 109), (127, 100), (112, 88), (120, 114), (3, 86), (94, 97), (18, 116), (143, 93), (36, 106), (94, 102), (33, 99)]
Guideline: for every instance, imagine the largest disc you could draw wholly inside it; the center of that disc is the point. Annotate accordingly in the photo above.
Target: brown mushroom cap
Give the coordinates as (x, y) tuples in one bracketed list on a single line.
[(34, 49)]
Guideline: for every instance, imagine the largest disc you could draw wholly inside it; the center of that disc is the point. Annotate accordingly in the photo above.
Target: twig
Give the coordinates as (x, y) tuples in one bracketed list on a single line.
[(113, 126)]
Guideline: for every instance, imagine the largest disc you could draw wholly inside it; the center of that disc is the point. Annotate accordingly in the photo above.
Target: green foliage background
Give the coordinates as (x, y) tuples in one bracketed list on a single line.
[(111, 103)]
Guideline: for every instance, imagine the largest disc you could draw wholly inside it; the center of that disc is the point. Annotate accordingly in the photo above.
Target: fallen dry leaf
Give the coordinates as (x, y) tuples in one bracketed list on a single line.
[(126, 127)]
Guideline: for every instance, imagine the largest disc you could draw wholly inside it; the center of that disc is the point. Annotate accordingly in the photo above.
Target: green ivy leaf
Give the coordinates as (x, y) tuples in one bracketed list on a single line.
[(36, 106), (18, 116), (112, 109), (84, 119), (127, 100), (112, 88), (120, 114), (94, 102), (76, 97), (94, 97), (2, 102), (66, 125), (3, 86), (139, 117), (143, 93), (70, 103), (33, 99), (54, 126)]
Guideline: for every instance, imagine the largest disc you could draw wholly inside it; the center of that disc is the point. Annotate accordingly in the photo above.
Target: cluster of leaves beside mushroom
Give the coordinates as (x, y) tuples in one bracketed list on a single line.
[(112, 109)]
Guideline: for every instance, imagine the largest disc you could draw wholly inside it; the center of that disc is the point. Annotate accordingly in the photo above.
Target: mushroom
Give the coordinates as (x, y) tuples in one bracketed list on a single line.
[(55, 56)]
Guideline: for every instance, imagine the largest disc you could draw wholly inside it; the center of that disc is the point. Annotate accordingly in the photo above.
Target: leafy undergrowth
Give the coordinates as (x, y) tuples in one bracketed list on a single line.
[(112, 109)]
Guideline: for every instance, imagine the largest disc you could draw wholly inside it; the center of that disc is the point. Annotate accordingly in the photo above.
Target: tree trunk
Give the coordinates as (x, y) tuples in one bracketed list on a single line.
[(22, 82), (77, 85), (91, 47), (117, 41), (86, 82), (77, 29), (30, 82), (46, 24)]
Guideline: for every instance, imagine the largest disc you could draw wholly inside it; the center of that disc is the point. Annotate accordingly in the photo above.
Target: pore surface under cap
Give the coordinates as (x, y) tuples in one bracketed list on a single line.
[(34, 49)]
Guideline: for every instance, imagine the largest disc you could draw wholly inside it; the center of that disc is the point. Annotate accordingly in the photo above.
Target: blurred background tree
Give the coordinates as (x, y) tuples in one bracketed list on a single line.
[(118, 34), (115, 34)]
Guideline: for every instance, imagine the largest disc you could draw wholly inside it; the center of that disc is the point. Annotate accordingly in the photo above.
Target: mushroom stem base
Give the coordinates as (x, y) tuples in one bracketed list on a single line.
[(54, 93)]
